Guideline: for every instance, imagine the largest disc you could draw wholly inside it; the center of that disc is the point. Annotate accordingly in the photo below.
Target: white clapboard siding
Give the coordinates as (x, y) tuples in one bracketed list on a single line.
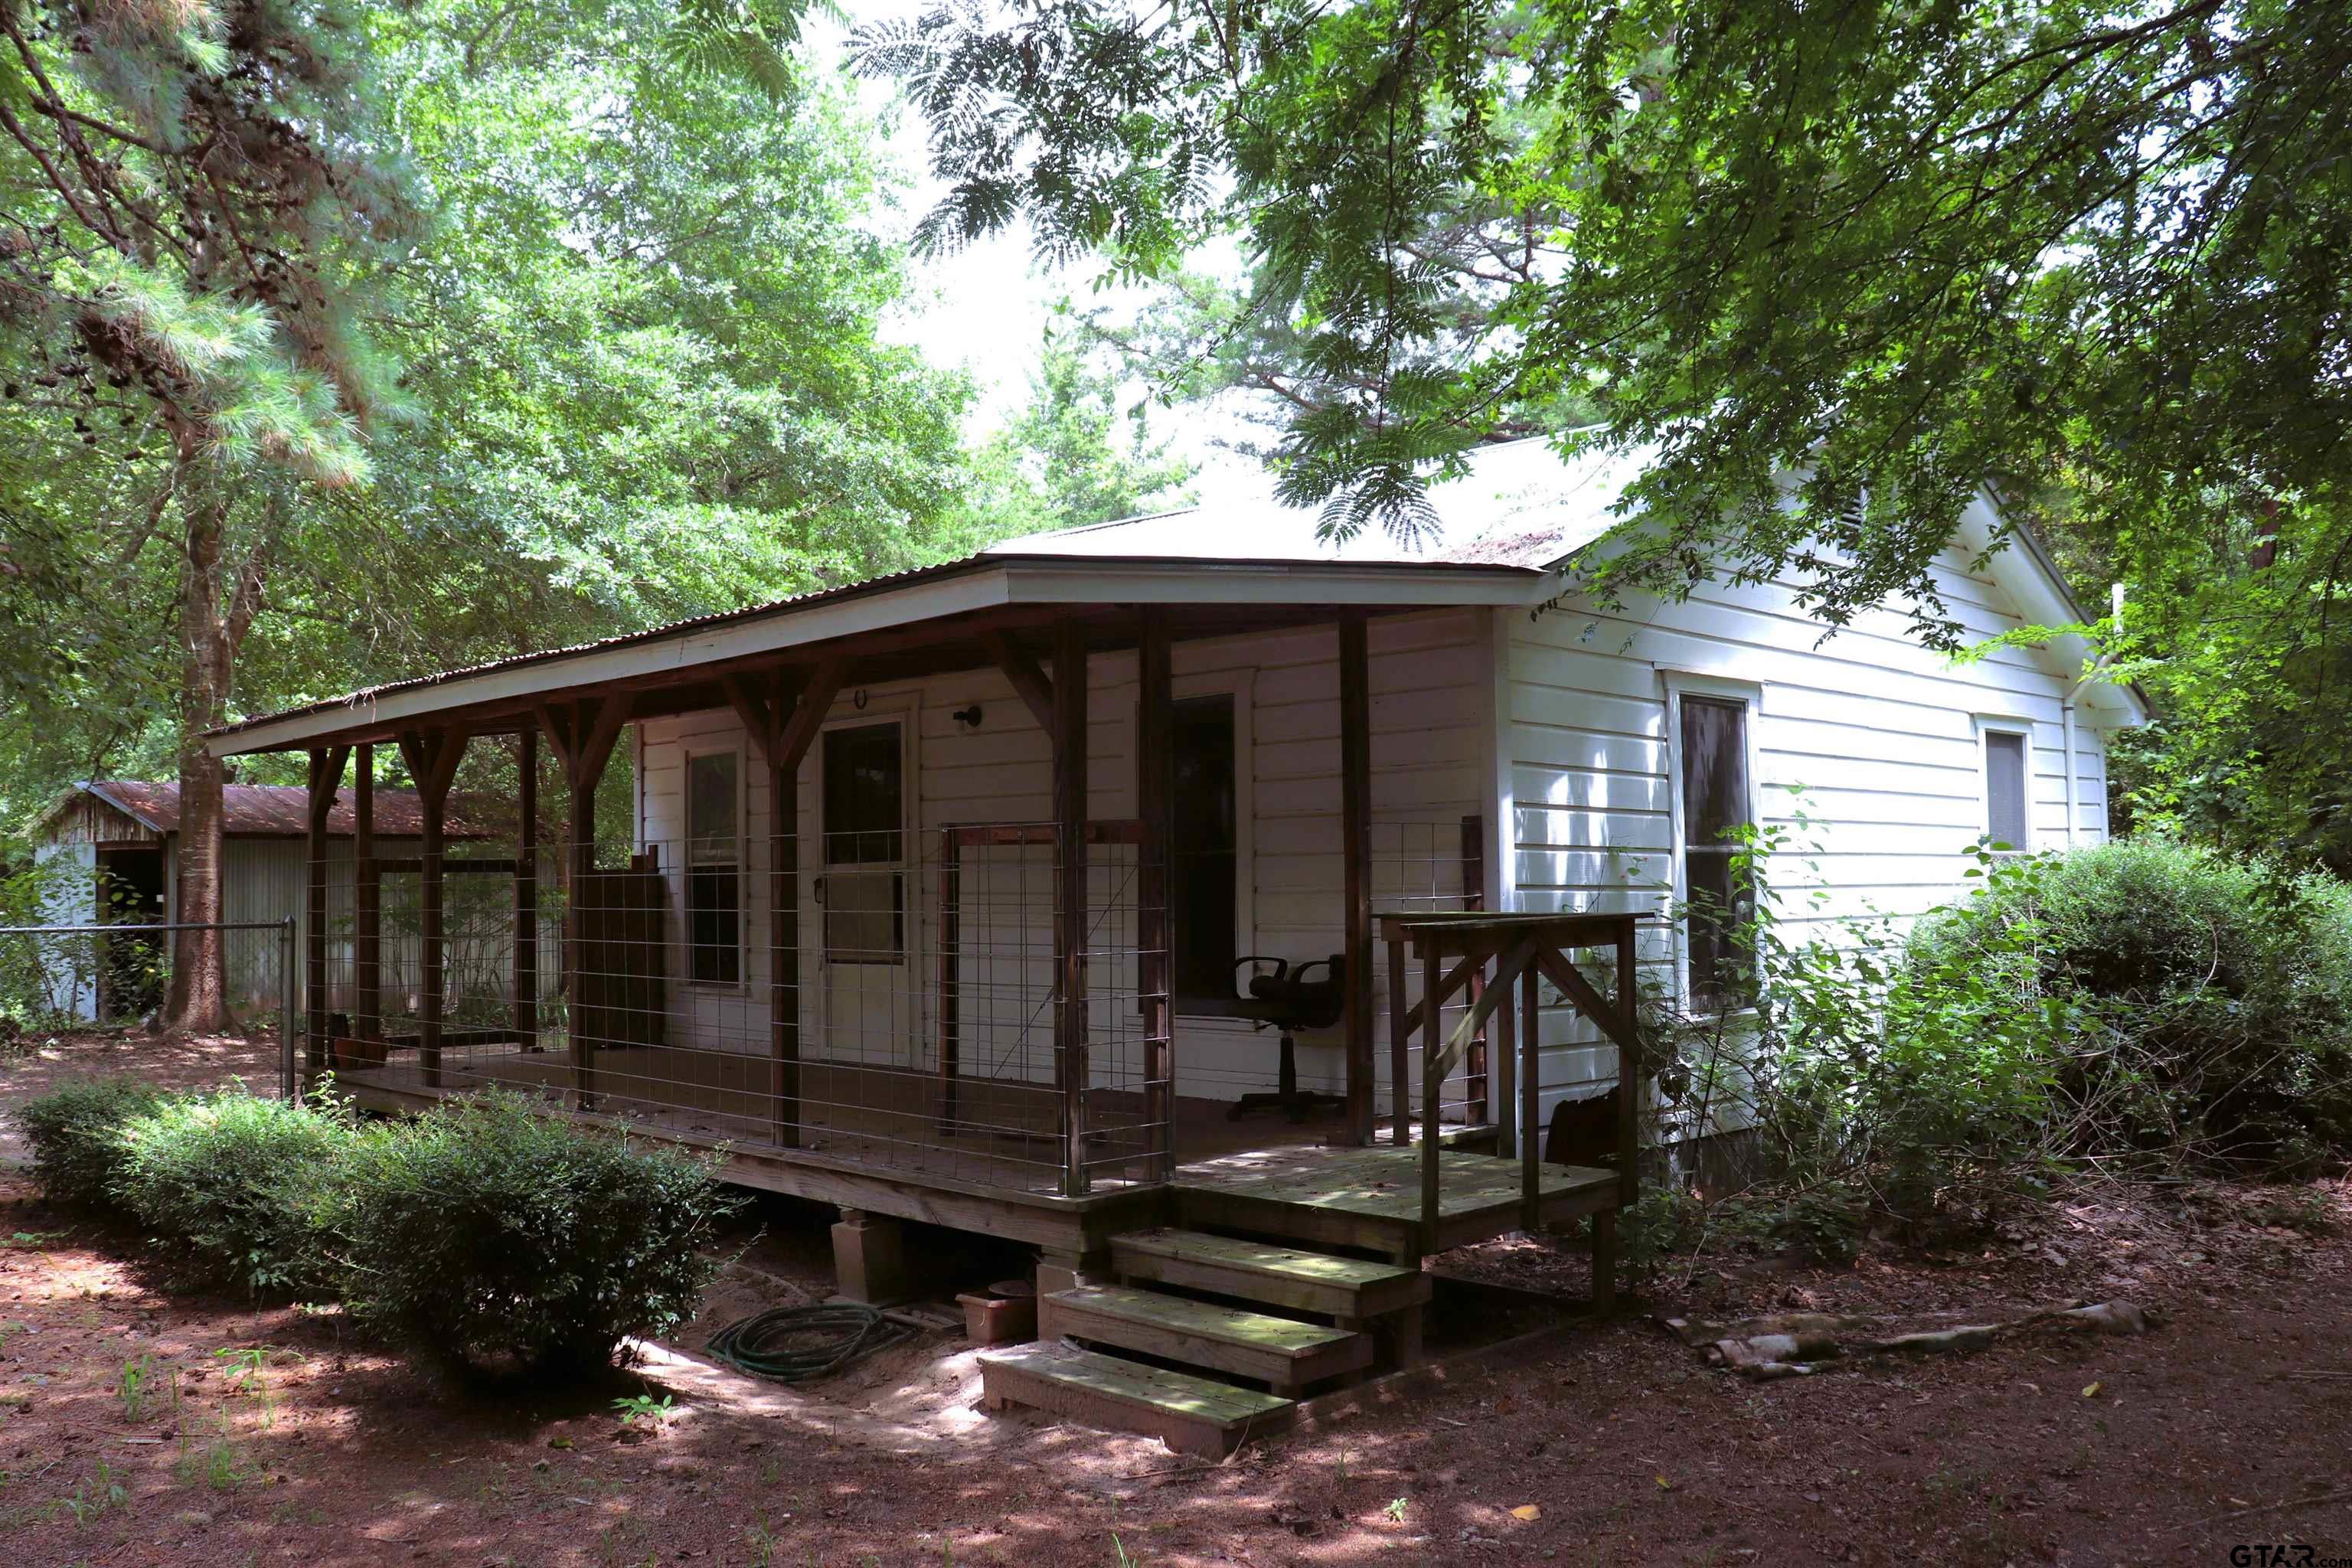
[(1430, 677), (1866, 747)]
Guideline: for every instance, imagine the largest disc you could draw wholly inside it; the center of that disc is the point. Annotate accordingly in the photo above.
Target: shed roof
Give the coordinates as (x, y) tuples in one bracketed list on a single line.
[(260, 811)]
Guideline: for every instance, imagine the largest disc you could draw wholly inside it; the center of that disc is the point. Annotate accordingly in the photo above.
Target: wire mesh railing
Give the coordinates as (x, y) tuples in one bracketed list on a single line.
[(890, 999), (894, 1003)]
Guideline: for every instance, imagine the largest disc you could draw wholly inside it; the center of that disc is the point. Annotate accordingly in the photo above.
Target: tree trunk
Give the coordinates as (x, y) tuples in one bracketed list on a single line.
[(197, 1003)]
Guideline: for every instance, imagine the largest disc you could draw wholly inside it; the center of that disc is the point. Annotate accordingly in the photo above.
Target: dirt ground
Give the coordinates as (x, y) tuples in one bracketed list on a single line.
[(140, 1428)]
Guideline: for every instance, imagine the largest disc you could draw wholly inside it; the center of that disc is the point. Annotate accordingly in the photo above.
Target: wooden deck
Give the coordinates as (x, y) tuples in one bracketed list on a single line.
[(1262, 1175), (1370, 1199)]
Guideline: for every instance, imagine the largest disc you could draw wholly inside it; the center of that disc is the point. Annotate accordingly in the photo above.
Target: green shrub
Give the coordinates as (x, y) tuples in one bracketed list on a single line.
[(76, 1132), (2136, 1006), (488, 1233), (2220, 991), (238, 1191)]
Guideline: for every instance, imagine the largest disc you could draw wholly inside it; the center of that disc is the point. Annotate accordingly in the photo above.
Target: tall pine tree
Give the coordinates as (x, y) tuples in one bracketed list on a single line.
[(199, 199)]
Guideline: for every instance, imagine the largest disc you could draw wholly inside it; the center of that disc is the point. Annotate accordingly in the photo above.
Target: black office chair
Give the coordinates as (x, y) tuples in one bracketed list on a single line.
[(1288, 999)]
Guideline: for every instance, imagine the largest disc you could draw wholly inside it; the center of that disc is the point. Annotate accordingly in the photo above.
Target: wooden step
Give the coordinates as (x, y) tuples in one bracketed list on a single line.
[(1191, 1415), (1282, 1352), (1261, 1271)]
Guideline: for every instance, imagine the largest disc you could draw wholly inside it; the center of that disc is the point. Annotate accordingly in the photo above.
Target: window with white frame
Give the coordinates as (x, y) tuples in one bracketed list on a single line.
[(1711, 751), (2008, 807), (714, 868)]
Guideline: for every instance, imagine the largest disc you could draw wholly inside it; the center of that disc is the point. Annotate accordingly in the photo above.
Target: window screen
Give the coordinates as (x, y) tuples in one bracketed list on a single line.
[(1204, 885), (714, 880), (863, 891), (2005, 803), (1714, 807), (862, 794)]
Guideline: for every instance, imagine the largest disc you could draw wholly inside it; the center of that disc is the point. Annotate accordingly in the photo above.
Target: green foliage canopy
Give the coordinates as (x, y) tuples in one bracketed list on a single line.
[(1897, 250)]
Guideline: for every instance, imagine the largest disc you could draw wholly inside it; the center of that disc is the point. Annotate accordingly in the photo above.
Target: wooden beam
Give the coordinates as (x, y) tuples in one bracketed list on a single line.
[(526, 891), (1530, 1134), (798, 733), (1436, 1063), (1029, 682), (1632, 1078), (790, 697), (582, 732), (1399, 1052), (1476, 1082), (367, 903), (1587, 1000), (1438, 1060), (583, 801), (604, 730), (1069, 733), (432, 756), (325, 779), (1155, 791), (949, 941), (752, 708), (1356, 858), (555, 722)]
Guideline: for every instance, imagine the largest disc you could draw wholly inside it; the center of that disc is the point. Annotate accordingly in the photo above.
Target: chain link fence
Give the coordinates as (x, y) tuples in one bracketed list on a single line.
[(63, 978)]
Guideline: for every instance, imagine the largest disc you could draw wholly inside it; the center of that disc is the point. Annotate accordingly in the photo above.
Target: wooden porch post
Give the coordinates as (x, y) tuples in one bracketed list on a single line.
[(432, 756), (1355, 855), (1400, 1050), (582, 732), (784, 928), (367, 904), (1629, 1063), (1070, 895), (526, 891), (783, 721), (1155, 802), (580, 786), (326, 777), (1529, 1134)]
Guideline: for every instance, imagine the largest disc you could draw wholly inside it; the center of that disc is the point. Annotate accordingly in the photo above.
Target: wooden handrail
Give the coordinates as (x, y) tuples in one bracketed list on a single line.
[(1526, 950)]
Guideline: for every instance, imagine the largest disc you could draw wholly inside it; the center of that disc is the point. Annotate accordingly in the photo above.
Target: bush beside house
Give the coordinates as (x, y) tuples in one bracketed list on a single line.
[(2139, 1007), (480, 1231)]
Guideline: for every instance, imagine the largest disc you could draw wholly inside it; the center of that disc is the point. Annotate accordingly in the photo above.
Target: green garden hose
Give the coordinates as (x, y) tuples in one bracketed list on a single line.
[(803, 1344)]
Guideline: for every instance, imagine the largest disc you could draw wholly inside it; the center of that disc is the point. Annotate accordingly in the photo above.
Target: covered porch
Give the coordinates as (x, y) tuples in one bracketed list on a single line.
[(999, 1023)]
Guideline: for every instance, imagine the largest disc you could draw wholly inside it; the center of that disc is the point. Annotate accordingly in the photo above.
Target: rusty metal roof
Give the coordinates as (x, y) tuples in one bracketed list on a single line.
[(264, 811), (1522, 509), (622, 639)]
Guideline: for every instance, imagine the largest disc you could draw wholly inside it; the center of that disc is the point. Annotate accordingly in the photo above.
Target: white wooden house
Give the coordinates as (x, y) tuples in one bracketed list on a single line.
[(943, 883)]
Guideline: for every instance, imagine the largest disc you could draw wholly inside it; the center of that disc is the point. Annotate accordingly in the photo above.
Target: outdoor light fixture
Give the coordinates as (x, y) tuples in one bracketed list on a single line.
[(967, 717)]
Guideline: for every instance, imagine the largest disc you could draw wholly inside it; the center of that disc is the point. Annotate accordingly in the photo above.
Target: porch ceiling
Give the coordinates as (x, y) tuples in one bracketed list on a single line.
[(926, 622)]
